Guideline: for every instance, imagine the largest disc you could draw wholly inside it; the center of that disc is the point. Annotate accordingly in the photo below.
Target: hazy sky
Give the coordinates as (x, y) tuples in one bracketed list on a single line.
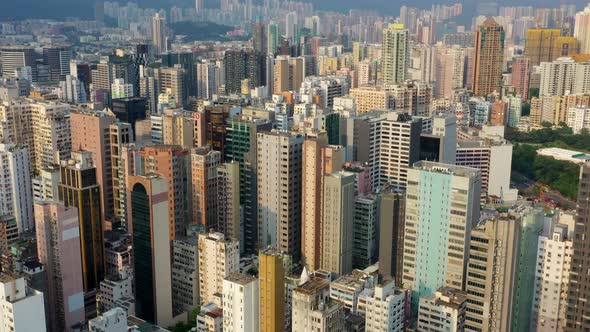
[(84, 8)]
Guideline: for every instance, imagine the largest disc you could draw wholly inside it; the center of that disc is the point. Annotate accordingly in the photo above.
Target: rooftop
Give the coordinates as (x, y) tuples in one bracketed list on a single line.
[(240, 278), (313, 286), (446, 168)]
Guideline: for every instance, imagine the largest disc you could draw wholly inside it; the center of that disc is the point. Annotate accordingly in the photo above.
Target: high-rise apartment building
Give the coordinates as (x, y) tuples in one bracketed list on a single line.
[(582, 30), (210, 127), (337, 223), (491, 273), (391, 236), (520, 76), (173, 163), (228, 201), (171, 80), (43, 127), (242, 148), (185, 275), (443, 197), (259, 39), (91, 132), (319, 159), (564, 76), (539, 45), (365, 226), (218, 258), (394, 145), (449, 70), (241, 65), (489, 57), (557, 77), (207, 82), (578, 290), (533, 223), (16, 193), (130, 110), (371, 98), (59, 250), (78, 188), (565, 46), (272, 290), (15, 57), (121, 135), (205, 183), (151, 245), (273, 36), (395, 56), (240, 303), (73, 90), (493, 159), (279, 159), (288, 74), (22, 307), (58, 59), (554, 254), (159, 39)]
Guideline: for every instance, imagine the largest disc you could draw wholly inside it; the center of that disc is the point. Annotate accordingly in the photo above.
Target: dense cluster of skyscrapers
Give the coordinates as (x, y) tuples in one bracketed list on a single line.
[(330, 172)]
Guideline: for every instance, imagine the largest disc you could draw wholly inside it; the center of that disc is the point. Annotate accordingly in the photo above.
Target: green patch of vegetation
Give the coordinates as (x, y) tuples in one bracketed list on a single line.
[(558, 175), (196, 31), (186, 326), (561, 137)]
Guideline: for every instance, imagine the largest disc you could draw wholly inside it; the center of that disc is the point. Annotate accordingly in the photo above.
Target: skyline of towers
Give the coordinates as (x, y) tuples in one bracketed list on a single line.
[(297, 171)]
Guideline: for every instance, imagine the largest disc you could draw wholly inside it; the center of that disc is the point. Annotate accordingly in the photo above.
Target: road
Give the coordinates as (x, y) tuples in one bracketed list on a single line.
[(525, 187)]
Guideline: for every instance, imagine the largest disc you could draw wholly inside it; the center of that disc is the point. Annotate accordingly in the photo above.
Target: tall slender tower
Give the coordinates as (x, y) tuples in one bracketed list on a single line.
[(173, 163), (204, 164), (90, 132), (279, 191), (319, 159), (58, 247), (272, 290), (582, 30), (259, 37), (151, 245), (79, 188), (395, 54), (159, 33), (273, 37), (337, 222), (579, 285), (15, 186), (489, 56)]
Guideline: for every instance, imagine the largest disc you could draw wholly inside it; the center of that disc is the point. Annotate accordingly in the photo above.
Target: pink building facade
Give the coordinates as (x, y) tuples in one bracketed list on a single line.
[(58, 247)]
